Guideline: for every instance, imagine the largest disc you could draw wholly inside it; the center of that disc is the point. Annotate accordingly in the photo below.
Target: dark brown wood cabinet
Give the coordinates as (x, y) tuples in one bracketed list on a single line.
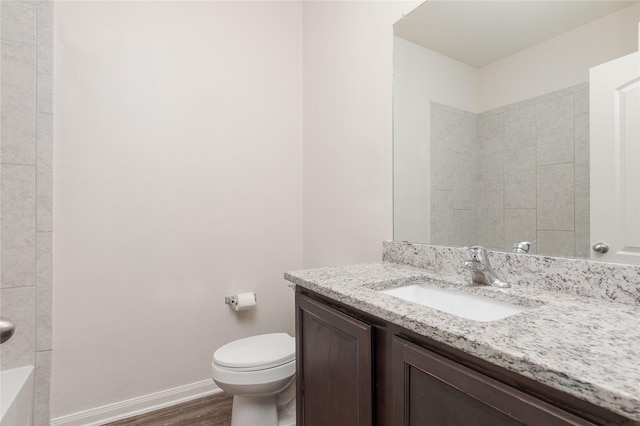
[(354, 369), (334, 361), (431, 390)]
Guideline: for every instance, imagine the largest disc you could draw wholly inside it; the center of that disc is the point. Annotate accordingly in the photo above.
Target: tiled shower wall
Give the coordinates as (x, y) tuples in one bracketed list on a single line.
[(454, 172), (525, 176), (26, 173)]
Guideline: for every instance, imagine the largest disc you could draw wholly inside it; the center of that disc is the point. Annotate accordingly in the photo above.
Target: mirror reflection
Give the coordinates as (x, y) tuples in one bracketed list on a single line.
[(495, 108)]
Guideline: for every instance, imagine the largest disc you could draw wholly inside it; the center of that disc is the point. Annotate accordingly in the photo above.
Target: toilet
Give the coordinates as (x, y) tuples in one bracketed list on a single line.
[(259, 371)]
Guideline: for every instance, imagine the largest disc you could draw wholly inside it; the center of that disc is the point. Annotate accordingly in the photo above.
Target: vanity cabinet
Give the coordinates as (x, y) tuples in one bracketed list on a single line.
[(431, 390), (334, 366), (354, 369)]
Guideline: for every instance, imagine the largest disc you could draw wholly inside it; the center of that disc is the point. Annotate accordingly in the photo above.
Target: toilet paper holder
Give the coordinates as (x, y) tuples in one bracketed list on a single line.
[(232, 299)]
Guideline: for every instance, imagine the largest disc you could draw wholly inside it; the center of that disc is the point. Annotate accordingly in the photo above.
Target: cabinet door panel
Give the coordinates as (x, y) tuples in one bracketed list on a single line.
[(431, 390), (333, 366), (453, 407)]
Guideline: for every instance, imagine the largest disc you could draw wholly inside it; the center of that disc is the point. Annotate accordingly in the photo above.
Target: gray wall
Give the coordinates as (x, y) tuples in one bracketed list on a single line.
[(523, 175), (26, 149)]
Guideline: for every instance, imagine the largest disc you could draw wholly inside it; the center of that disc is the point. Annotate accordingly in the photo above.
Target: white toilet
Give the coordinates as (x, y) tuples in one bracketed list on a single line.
[(259, 371)]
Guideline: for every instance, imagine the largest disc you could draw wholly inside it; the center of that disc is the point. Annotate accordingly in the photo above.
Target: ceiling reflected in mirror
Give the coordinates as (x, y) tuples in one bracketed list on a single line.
[(478, 33)]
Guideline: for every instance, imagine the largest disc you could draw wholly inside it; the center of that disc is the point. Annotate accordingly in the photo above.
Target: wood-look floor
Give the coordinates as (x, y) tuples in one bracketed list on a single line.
[(214, 410)]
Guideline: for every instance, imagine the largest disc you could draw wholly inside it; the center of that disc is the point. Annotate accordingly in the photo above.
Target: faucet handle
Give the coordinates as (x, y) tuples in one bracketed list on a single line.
[(478, 253), (480, 267), (522, 246)]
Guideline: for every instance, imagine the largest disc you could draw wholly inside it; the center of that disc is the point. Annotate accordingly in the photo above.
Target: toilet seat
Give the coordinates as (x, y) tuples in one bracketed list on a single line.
[(234, 376), (256, 353)]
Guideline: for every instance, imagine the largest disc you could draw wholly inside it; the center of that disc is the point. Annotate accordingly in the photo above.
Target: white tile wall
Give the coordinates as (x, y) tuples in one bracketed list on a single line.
[(44, 173), (519, 225), (43, 385), (520, 126), (556, 243), (464, 227), (454, 139), (464, 180), (556, 202), (26, 172), (441, 215), (19, 22), (491, 132), (45, 37), (554, 127), (45, 93), (583, 221), (491, 219), (581, 99), (18, 101), (525, 176), (520, 177), (18, 243), (18, 304), (443, 120), (44, 289), (582, 151)]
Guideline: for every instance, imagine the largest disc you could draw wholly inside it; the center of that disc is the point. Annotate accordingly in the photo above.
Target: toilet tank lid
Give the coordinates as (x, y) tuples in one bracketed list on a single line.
[(264, 350)]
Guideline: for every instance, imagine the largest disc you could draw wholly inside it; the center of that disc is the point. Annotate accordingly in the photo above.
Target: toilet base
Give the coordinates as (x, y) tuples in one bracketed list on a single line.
[(254, 410), (261, 411), (287, 417)]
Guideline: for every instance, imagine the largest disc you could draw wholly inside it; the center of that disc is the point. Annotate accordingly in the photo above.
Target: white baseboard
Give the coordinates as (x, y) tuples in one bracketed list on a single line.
[(135, 406)]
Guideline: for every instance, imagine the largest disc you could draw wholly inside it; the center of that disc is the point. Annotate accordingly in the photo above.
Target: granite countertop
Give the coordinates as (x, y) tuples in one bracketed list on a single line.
[(583, 346)]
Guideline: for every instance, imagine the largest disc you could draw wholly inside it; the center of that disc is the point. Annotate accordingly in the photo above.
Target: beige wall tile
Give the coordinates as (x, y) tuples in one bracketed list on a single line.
[(491, 132), (491, 219), (442, 148), (555, 189), (490, 170), (583, 221), (581, 99), (45, 37), (18, 21), (519, 225), (442, 216), (18, 225), (554, 126), (582, 150), (556, 243), (465, 181), (465, 231), (44, 290), (18, 304), (520, 178), (41, 411), (18, 103), (45, 93), (44, 173), (520, 126)]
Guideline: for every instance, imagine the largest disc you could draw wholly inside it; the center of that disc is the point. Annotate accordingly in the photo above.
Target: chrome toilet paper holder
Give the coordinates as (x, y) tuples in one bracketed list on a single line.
[(232, 299)]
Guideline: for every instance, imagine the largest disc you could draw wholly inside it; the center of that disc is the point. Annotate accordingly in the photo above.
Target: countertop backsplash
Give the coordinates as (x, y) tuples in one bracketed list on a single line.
[(609, 281)]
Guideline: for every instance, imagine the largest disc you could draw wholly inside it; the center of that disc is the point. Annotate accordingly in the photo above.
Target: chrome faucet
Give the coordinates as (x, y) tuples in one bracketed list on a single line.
[(522, 247), (481, 272)]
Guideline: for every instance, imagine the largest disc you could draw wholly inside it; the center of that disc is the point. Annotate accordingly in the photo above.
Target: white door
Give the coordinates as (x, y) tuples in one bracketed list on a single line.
[(615, 159)]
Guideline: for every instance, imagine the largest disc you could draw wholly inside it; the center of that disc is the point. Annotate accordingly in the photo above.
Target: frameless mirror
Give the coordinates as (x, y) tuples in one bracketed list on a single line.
[(505, 112)]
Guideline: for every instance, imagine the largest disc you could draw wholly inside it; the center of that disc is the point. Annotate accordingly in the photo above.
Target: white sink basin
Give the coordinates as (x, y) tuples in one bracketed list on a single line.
[(454, 302)]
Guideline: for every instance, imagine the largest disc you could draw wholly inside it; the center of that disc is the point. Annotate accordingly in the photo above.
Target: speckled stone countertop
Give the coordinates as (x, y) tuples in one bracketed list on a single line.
[(583, 346)]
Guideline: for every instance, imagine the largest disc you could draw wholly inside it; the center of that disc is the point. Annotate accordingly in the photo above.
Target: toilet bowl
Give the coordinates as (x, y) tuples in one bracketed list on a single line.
[(259, 371)]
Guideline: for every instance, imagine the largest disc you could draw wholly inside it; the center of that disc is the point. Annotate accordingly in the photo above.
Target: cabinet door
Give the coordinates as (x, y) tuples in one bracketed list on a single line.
[(333, 366), (432, 390)]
